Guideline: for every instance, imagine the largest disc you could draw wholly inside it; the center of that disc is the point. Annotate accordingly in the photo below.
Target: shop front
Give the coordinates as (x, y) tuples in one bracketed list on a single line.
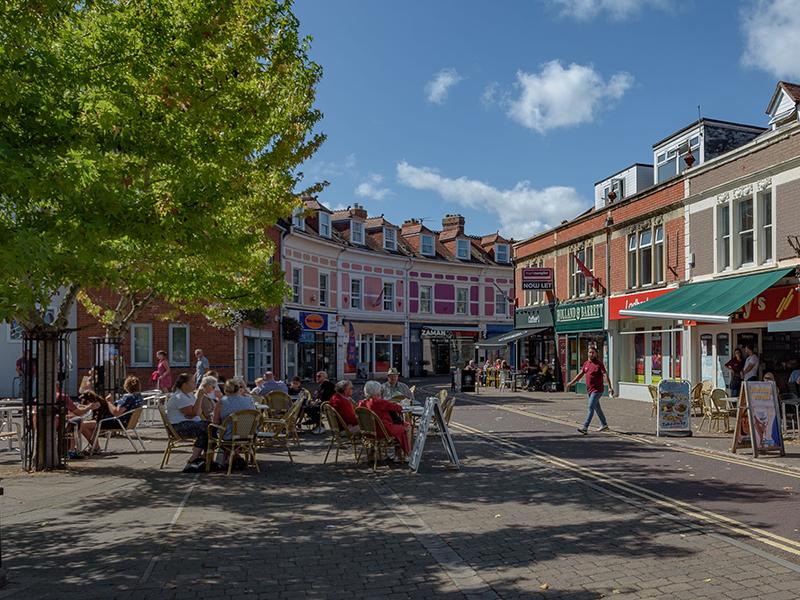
[(373, 348), (437, 348), (316, 349), (579, 326), (646, 350), (537, 340)]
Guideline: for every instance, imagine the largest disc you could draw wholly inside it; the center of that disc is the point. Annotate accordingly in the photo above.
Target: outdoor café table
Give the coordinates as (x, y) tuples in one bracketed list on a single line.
[(412, 415), (7, 412), (792, 404)]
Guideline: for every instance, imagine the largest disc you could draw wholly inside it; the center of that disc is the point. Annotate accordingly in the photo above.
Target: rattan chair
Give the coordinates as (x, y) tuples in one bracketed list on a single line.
[(447, 409), (413, 390), (654, 397), (244, 425), (697, 399), (373, 435), (123, 428), (340, 433), (277, 432), (715, 410), (174, 439), (442, 395), (279, 403)]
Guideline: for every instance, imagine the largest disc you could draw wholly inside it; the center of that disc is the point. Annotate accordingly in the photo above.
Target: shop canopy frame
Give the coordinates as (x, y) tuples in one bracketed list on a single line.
[(708, 301), (786, 326), (498, 341)]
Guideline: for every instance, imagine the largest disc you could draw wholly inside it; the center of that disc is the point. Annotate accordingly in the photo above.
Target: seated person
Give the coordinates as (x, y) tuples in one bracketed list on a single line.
[(295, 388), (235, 399), (383, 409), (394, 387), (312, 409), (794, 380), (209, 394), (75, 412), (129, 401), (545, 372), (270, 384), (342, 401), (183, 411)]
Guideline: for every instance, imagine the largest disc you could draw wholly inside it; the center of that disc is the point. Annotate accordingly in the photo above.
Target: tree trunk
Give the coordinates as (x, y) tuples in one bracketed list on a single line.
[(47, 418)]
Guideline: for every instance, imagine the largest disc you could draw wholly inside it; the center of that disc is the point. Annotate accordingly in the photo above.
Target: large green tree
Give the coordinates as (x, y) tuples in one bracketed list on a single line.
[(146, 146)]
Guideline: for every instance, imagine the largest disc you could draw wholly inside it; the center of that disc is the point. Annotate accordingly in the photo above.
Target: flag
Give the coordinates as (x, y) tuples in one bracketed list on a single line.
[(351, 359), (590, 280)]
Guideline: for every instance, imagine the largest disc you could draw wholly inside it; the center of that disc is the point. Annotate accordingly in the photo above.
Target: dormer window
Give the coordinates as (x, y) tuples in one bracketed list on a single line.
[(299, 219), (501, 253), (462, 249), (426, 245), (324, 224), (356, 232), (389, 239)]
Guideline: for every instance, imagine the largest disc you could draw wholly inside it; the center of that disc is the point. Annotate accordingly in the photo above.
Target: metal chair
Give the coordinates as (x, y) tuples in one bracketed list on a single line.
[(243, 426), (123, 428)]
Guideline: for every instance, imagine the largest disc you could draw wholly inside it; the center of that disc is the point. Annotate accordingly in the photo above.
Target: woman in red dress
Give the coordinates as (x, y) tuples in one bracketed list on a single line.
[(384, 408), (163, 374)]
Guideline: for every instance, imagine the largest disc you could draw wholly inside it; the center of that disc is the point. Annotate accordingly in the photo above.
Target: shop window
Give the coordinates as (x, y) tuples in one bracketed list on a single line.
[(141, 345), (427, 245), (355, 294), (178, 345), (461, 301), (723, 344), (297, 285), (323, 289), (578, 285), (388, 296), (425, 298)]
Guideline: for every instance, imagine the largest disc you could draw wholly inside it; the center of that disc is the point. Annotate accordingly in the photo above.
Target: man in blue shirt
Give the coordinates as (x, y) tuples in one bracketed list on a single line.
[(201, 367), (270, 384)]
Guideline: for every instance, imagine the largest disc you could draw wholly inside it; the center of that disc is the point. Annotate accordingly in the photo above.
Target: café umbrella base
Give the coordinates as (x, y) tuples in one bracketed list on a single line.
[(674, 418)]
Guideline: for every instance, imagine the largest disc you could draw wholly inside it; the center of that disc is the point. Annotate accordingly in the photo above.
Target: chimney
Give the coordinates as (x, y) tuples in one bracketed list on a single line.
[(408, 224), (358, 211), (453, 223)]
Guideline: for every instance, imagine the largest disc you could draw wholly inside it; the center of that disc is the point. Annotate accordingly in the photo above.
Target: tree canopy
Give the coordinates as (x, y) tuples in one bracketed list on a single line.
[(146, 146)]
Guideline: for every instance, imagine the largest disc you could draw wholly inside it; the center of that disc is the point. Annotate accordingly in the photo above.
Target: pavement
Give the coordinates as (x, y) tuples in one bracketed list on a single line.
[(534, 512)]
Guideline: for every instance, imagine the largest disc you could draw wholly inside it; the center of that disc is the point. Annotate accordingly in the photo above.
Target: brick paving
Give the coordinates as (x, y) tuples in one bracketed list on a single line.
[(504, 526)]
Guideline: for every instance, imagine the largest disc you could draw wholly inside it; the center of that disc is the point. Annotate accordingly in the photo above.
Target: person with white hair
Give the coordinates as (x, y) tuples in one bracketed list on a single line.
[(391, 415)]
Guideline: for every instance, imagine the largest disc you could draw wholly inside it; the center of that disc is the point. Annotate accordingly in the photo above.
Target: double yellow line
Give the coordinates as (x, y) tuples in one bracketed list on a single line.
[(665, 502)]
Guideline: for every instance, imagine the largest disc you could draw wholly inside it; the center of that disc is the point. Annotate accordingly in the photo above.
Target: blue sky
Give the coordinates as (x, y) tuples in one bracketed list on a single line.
[(508, 112)]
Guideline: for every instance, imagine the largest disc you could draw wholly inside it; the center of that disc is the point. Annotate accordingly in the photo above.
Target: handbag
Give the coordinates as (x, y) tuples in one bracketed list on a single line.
[(154, 376), (397, 418)]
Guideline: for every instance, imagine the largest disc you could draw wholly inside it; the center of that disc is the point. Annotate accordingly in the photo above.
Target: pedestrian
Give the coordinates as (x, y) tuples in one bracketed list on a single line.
[(595, 372), (736, 364), (162, 374), (201, 366), (750, 370)]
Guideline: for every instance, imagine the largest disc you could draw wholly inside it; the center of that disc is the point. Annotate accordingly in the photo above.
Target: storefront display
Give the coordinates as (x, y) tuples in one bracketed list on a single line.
[(376, 347), (580, 325), (316, 349), (536, 341), (444, 347)]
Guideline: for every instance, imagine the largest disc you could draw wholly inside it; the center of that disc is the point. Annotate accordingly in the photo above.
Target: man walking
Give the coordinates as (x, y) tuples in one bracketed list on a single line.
[(595, 372), (201, 366)]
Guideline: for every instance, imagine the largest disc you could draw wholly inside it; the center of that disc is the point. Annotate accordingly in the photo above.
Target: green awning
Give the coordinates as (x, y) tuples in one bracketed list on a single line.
[(708, 301), (501, 340)]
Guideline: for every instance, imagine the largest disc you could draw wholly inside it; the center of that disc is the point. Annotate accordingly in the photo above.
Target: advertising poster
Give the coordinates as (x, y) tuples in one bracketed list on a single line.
[(674, 409), (762, 403), (638, 349), (351, 359), (656, 357)]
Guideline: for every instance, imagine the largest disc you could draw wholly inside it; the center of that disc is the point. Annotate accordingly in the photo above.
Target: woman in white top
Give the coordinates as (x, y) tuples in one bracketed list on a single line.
[(183, 412)]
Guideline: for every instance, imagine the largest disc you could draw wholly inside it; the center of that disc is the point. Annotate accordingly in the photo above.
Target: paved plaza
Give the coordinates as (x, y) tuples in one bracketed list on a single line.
[(524, 518)]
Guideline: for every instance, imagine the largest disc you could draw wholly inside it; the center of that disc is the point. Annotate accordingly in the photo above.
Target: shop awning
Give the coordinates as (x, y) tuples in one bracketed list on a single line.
[(788, 325), (501, 340), (708, 301)]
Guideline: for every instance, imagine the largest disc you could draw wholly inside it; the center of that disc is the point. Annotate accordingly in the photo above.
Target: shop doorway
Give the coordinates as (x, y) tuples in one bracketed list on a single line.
[(749, 337), (441, 359)]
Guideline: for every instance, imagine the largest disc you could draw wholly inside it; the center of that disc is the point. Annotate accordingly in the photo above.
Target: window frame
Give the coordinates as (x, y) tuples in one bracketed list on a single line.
[(13, 326), (675, 153), (359, 304), (741, 233), (386, 245), (636, 248), (465, 302), (324, 290), (298, 218), (356, 226), (576, 276), (429, 300), (505, 248), (500, 302), (389, 285), (170, 346), (462, 255), (297, 286), (432, 251), (133, 328), (728, 233), (324, 221)]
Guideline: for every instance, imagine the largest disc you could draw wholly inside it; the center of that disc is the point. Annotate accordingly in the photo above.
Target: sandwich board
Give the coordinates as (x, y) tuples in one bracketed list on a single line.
[(758, 424), (674, 409), (433, 410)]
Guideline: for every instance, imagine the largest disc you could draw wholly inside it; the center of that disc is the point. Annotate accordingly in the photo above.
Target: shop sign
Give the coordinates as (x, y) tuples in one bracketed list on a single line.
[(581, 316), (627, 301), (537, 278), (430, 333), (533, 318), (310, 321), (674, 409), (773, 304)]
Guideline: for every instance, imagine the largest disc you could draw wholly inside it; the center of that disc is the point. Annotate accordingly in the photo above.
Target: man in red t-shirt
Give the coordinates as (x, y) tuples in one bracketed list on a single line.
[(595, 372)]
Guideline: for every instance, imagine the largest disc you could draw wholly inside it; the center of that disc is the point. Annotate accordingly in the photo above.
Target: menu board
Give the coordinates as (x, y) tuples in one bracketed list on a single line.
[(432, 411), (674, 409), (758, 423)]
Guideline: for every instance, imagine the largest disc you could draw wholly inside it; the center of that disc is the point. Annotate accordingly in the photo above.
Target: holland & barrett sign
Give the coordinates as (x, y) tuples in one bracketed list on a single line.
[(581, 316)]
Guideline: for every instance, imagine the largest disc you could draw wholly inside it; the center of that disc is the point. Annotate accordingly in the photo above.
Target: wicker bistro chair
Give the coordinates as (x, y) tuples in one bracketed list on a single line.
[(697, 400), (442, 396), (373, 435), (174, 440), (126, 430), (413, 390), (277, 432), (279, 403), (244, 425), (715, 410), (340, 433), (447, 408), (654, 397)]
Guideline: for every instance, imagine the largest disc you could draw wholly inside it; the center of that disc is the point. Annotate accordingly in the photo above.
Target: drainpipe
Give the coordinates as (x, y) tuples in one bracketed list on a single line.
[(611, 338)]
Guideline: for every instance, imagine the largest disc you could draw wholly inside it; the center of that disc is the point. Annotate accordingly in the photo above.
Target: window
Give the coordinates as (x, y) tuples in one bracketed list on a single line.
[(298, 218), (297, 285), (15, 331), (356, 232), (744, 229), (462, 249), (141, 345), (501, 253), (461, 301), (646, 257), (259, 354), (324, 224), (724, 237), (178, 345), (427, 245), (578, 286), (671, 162), (355, 294), (388, 296), (765, 242), (425, 299), (323, 289), (500, 302), (389, 238)]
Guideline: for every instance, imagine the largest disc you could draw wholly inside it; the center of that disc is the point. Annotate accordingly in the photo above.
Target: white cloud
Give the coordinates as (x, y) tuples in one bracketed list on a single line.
[(491, 94), (321, 169), (561, 97), (583, 10), (438, 87), (372, 188), (772, 33), (522, 210)]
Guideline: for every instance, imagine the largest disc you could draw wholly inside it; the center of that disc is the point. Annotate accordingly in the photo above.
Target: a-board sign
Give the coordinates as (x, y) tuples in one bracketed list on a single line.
[(674, 409), (433, 410), (758, 424), (537, 278)]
